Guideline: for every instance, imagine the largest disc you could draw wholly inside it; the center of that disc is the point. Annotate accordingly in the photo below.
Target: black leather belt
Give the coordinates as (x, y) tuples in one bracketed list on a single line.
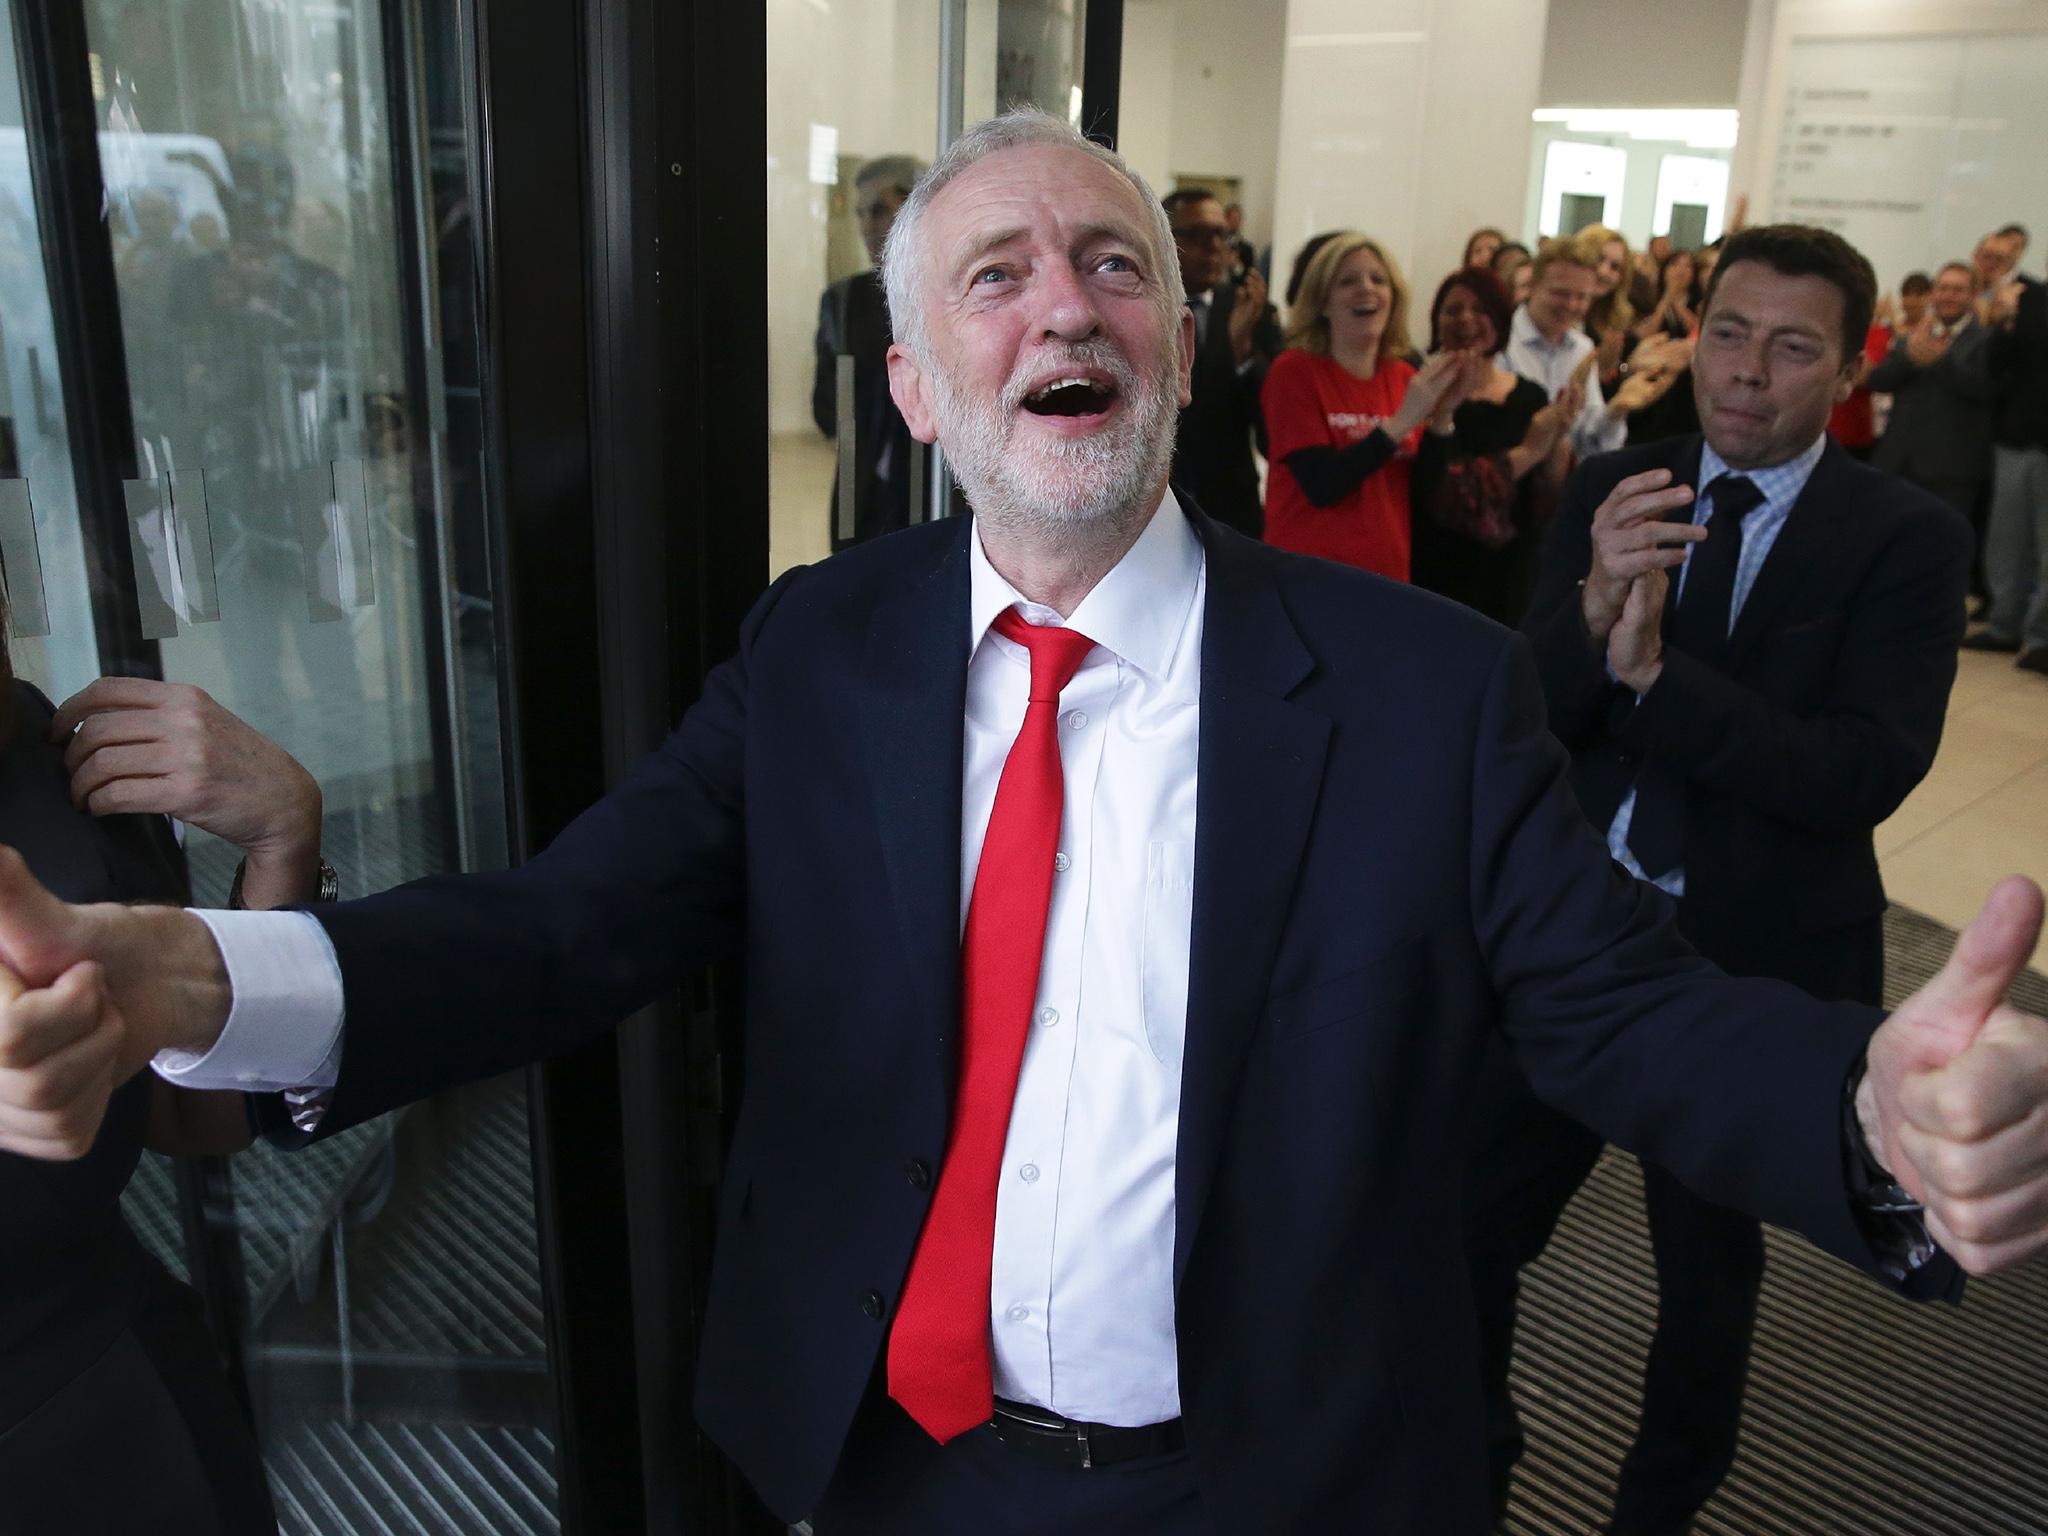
[(1041, 1432)]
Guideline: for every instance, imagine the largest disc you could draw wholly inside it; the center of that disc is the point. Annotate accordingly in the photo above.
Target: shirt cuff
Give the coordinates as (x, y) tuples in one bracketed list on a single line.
[(284, 1024)]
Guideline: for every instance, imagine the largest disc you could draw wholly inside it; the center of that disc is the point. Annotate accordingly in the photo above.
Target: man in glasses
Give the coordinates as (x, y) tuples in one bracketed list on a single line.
[(1236, 337)]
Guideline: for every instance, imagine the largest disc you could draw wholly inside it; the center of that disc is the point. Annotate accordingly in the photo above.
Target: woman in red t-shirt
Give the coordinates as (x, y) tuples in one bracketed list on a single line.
[(1344, 411)]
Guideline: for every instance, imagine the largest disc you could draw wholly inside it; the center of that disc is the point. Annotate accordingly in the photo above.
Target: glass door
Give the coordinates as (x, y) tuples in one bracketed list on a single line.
[(843, 146), (271, 314)]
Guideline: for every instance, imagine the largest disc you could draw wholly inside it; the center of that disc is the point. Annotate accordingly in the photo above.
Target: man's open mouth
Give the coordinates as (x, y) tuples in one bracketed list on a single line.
[(1071, 395)]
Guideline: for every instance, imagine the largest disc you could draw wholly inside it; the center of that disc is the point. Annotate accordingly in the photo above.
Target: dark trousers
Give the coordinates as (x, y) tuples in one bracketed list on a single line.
[(1528, 1163), (893, 1480)]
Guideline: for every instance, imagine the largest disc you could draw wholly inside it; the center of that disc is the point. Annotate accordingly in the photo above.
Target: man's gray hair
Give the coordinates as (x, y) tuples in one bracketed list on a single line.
[(898, 171), (906, 262)]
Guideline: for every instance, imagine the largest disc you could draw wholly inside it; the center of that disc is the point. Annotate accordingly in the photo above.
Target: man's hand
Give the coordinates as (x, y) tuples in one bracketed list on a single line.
[(2004, 304), (60, 1061), (1635, 646), (1955, 1100), (1630, 538), (1549, 426), (134, 745), (1246, 310), (108, 987), (1923, 346)]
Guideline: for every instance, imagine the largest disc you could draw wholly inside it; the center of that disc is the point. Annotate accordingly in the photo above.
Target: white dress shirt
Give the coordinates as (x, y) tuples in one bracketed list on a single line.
[(1780, 485), (1081, 1300), (1549, 364)]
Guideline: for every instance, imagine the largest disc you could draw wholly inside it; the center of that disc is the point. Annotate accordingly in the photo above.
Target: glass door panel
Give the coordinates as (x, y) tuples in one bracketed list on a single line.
[(288, 187)]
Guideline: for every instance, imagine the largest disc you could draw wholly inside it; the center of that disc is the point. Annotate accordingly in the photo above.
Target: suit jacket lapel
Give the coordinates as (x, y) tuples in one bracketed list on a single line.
[(1799, 549), (1260, 766), (915, 685)]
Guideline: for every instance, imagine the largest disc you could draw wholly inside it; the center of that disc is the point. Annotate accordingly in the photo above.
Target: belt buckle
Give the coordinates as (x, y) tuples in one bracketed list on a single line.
[(1045, 1421)]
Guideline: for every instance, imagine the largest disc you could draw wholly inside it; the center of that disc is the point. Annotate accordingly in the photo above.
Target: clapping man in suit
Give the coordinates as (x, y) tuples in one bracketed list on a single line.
[(1237, 336), (1746, 639), (1939, 377), (1125, 905)]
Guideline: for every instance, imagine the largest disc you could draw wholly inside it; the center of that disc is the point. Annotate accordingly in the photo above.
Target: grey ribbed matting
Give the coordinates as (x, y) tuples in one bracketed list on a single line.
[(401, 1479), (1866, 1414)]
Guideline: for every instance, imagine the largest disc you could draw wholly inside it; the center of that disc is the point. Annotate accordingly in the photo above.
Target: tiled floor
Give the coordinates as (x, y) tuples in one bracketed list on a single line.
[(1982, 813)]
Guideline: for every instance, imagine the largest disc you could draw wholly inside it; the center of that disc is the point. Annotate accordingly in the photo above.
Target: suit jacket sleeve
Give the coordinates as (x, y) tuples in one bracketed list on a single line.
[(1251, 381), (460, 977), (1890, 375), (1572, 668), (1846, 766), (1734, 1085), (1968, 366)]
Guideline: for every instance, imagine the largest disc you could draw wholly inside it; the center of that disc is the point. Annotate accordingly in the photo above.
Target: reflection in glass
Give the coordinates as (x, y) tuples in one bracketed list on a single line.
[(287, 196)]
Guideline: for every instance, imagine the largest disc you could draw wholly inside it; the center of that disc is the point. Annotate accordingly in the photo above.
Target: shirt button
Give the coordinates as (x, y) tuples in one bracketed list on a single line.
[(1019, 1314), (1077, 719), (1028, 1173), (1048, 1016), (1061, 863), (919, 1172), (871, 1303)]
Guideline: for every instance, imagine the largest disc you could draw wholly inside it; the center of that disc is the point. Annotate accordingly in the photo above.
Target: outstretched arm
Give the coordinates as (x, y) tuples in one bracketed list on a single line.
[(445, 981)]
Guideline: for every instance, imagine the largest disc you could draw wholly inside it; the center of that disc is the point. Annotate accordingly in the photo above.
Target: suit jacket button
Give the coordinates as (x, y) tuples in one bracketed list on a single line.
[(919, 1172), (871, 1304)]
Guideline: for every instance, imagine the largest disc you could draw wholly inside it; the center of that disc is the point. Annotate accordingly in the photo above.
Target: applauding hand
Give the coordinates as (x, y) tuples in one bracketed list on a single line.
[(1630, 537)]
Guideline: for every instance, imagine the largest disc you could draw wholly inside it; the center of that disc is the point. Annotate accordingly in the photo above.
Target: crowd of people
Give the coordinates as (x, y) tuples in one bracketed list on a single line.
[(1323, 426)]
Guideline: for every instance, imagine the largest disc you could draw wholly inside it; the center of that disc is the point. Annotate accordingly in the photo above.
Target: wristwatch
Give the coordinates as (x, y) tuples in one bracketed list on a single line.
[(1894, 1223), (329, 889)]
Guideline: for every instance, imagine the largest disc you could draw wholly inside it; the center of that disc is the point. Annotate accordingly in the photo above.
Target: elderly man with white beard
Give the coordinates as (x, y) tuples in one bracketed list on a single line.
[(1124, 906)]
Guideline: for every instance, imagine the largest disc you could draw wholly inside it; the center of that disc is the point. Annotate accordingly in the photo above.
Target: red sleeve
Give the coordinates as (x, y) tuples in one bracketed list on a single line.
[(1293, 409)]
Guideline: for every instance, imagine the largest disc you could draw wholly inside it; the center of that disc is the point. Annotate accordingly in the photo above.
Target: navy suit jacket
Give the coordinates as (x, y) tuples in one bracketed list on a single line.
[(1389, 864), (1823, 714)]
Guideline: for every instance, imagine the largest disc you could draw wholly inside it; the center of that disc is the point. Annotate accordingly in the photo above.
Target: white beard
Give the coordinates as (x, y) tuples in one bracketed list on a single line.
[(1061, 491)]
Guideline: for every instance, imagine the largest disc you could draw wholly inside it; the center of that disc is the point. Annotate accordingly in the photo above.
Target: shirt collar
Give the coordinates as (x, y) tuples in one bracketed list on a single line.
[(1139, 611), (1522, 332), (1780, 484)]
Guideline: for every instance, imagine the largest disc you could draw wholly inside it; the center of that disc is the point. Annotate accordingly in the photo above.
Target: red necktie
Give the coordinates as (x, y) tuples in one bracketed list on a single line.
[(938, 1348)]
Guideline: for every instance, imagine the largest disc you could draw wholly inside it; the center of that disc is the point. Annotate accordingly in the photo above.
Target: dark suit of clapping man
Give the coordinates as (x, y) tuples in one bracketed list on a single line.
[(1237, 336), (1131, 1202), (1747, 690)]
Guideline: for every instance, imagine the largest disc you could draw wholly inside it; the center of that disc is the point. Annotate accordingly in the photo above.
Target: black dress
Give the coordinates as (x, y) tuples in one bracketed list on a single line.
[(1673, 413), (1449, 556), (115, 1415)]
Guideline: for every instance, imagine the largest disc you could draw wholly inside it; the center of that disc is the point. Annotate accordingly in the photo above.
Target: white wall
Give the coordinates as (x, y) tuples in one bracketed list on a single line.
[(1200, 95), (1930, 116), (1643, 53), (1144, 121), (1409, 119)]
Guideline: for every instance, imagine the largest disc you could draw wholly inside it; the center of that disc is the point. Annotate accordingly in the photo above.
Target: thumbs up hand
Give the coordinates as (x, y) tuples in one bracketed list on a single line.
[(1955, 1100), (87, 996)]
